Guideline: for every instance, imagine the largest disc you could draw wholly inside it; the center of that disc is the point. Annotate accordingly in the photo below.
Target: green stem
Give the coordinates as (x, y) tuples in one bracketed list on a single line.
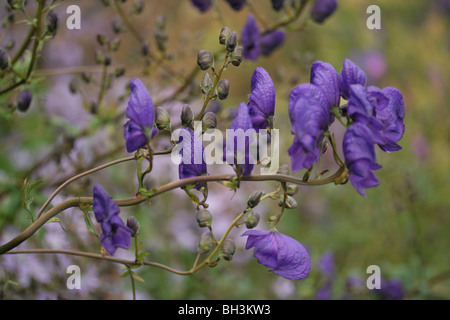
[(132, 282)]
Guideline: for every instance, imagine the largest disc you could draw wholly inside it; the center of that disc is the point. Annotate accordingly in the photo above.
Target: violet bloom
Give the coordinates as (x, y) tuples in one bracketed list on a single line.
[(277, 4), (322, 9), (360, 157), (350, 74), (284, 255), (140, 110), (391, 290), (262, 99), (237, 147), (309, 114), (192, 153), (236, 4), (271, 41), (324, 76), (202, 5), (115, 234)]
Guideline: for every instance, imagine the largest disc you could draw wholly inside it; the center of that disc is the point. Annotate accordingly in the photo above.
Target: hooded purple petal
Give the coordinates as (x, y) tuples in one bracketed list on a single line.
[(104, 207), (360, 157), (192, 151), (262, 99), (350, 74), (271, 41), (391, 118), (202, 5), (324, 76), (251, 39), (236, 4), (134, 136), (322, 9), (277, 4), (284, 255), (140, 105)]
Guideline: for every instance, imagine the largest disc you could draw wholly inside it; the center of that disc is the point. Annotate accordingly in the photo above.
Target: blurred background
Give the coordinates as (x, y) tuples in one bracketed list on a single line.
[(73, 125)]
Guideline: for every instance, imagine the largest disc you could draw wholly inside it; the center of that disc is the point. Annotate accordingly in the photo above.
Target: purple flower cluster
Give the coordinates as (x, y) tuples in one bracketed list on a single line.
[(115, 233), (255, 43)]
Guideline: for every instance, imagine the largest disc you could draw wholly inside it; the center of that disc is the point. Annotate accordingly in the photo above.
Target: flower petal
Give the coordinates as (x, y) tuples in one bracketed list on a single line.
[(250, 39), (324, 76), (140, 105), (262, 97), (134, 136), (271, 41), (350, 74), (104, 206)]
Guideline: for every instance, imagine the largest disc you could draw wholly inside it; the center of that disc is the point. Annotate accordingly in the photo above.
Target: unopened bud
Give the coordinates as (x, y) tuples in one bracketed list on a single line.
[(138, 6), (10, 44), (254, 198), (223, 88), (24, 100), (115, 44), (204, 244), (206, 84), (161, 22), (237, 56), (117, 25), (252, 220), (209, 121), (4, 59), (101, 39), (145, 49), (119, 71), (51, 22), (74, 85), (15, 4), (205, 59), (290, 202), (291, 189), (161, 39), (133, 224), (87, 77), (187, 117), (162, 119), (94, 107), (204, 218), (224, 34), (107, 59), (227, 250), (231, 42)]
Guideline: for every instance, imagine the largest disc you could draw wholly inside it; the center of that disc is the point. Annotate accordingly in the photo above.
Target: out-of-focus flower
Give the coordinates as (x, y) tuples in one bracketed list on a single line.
[(141, 112), (192, 152), (360, 157), (115, 234), (327, 268), (277, 4), (419, 144), (284, 255), (236, 4), (261, 99), (24, 100), (322, 9), (271, 41), (202, 5), (391, 290)]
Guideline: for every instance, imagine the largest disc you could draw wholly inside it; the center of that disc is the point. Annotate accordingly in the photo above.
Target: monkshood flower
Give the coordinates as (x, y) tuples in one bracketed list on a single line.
[(322, 9), (256, 44), (141, 112), (310, 117), (202, 5), (192, 152), (360, 157), (235, 151), (325, 77), (350, 74), (283, 255), (261, 99), (115, 234)]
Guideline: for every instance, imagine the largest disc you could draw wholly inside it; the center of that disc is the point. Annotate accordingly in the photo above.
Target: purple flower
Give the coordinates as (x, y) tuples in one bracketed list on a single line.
[(192, 153), (360, 157), (309, 114), (277, 4), (284, 255), (141, 112), (262, 99), (350, 74), (324, 76), (237, 146), (115, 234), (256, 44), (236, 4), (322, 9), (391, 290), (202, 5)]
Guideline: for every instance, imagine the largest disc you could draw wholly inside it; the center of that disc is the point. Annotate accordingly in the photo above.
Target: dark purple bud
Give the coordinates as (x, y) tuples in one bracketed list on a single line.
[(205, 59), (209, 121), (51, 22), (254, 198), (224, 34), (187, 117), (277, 4), (322, 9), (162, 119), (227, 250), (237, 55), (204, 218), (74, 85), (24, 100), (223, 88), (236, 4), (145, 49), (4, 59), (202, 5), (101, 39), (231, 42), (133, 224)]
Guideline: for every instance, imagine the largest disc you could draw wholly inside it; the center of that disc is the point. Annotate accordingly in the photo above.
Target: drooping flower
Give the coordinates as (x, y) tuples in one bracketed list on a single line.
[(261, 99), (277, 4), (271, 41), (324, 76), (202, 5), (283, 255), (322, 9), (350, 74), (310, 116), (115, 234), (360, 157), (237, 146), (236, 4), (141, 114), (192, 152)]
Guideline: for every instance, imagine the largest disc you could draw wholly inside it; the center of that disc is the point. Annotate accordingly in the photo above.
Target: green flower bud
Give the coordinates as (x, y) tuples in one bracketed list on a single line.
[(204, 218), (117, 25), (138, 6), (224, 34), (252, 219), (161, 39), (291, 189), (161, 22), (187, 117), (87, 77), (223, 88), (205, 59), (10, 44), (227, 250), (237, 56), (4, 59), (231, 42), (119, 71), (162, 119), (115, 44), (290, 202), (204, 244), (206, 84), (101, 39), (15, 4), (134, 225), (209, 121), (51, 22), (107, 59), (254, 198), (24, 100)]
